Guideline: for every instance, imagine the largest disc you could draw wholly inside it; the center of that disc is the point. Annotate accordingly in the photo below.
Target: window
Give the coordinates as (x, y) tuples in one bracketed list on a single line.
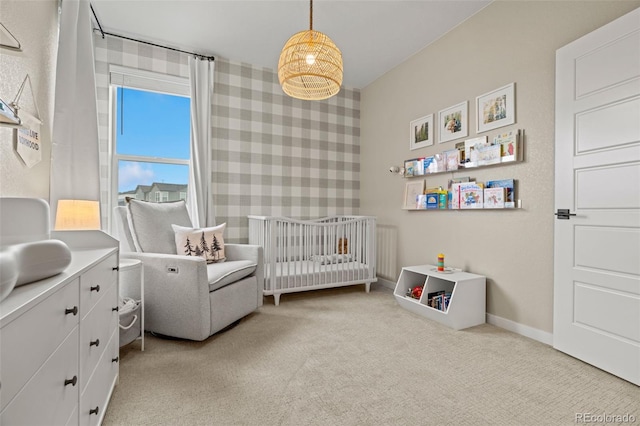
[(151, 132), (162, 196)]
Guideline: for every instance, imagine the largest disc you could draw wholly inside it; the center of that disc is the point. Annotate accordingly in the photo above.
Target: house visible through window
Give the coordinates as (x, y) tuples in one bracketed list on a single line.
[(151, 131)]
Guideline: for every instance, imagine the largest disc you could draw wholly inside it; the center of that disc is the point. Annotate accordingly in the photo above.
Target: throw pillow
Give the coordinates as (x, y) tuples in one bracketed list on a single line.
[(150, 224), (207, 243)]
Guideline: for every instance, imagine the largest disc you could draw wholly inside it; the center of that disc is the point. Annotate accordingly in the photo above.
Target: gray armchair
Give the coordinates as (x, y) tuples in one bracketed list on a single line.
[(184, 296)]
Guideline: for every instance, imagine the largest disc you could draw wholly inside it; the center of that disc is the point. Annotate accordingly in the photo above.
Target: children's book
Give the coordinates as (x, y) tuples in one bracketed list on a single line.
[(409, 166), (432, 200), (494, 198), (418, 167), (471, 195), (451, 159), (470, 150), (439, 160), (460, 148), (453, 195), (509, 185), (488, 154), (430, 165), (509, 145)]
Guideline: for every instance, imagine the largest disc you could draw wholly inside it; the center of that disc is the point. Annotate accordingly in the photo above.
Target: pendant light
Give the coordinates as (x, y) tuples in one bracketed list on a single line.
[(310, 65)]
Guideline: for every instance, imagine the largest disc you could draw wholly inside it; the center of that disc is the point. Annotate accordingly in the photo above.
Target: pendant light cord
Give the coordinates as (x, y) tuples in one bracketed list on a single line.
[(310, 15)]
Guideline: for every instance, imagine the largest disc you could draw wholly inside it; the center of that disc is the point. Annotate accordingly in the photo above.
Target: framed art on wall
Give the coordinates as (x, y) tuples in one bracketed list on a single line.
[(496, 108), (452, 122), (421, 132)]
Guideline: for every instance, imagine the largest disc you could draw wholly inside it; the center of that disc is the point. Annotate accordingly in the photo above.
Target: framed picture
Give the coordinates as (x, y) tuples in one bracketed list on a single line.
[(411, 191), (421, 132), (452, 123), (496, 108)]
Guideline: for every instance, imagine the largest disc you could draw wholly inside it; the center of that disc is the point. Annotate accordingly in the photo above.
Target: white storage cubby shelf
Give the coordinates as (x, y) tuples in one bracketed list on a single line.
[(467, 305)]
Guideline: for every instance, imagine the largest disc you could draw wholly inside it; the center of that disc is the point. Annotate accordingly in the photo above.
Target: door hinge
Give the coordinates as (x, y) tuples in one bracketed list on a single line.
[(564, 214)]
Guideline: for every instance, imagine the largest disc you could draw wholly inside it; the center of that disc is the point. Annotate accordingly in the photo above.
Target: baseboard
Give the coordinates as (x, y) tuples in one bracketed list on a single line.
[(386, 283), (523, 330)]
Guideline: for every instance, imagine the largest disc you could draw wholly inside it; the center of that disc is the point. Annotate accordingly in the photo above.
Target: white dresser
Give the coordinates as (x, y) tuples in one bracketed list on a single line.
[(59, 339)]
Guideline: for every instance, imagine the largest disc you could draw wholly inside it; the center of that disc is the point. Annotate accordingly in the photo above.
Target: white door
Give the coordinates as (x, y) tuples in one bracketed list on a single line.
[(597, 251)]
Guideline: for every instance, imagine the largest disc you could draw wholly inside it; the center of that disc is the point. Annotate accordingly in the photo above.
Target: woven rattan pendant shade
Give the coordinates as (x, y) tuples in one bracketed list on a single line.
[(310, 65)]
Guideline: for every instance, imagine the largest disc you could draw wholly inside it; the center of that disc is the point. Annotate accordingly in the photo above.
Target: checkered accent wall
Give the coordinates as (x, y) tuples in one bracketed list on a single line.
[(272, 155)]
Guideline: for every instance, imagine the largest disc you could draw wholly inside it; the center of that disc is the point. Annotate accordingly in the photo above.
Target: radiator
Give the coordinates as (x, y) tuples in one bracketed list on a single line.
[(386, 243)]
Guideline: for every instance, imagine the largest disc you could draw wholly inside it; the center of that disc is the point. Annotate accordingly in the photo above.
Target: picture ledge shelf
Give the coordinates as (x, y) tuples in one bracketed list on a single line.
[(468, 166), (488, 209)]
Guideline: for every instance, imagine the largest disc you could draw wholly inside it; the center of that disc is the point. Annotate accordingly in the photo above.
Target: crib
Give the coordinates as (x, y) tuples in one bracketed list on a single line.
[(301, 255)]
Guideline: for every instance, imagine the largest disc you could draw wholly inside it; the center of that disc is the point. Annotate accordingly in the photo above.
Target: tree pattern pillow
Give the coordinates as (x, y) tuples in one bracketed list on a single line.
[(207, 243)]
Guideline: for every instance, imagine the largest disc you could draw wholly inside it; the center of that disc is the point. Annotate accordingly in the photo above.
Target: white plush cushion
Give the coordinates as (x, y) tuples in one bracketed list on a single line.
[(207, 243), (39, 259), (150, 224), (222, 274)]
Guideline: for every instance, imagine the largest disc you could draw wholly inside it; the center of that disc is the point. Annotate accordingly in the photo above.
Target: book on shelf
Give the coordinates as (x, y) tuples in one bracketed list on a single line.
[(430, 165), (432, 200), (488, 154), (440, 164), (453, 194), (409, 167), (451, 159), (471, 195), (509, 145), (442, 199), (509, 186), (461, 153), (471, 150), (494, 198), (439, 300), (418, 167)]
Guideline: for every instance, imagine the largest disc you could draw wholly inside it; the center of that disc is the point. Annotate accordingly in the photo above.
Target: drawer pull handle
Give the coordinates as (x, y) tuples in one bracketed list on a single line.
[(95, 343), (94, 411), (115, 268), (116, 309), (96, 288), (73, 311), (116, 359), (72, 381)]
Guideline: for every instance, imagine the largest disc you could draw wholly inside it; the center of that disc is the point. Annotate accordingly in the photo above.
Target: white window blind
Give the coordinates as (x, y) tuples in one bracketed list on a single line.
[(147, 80)]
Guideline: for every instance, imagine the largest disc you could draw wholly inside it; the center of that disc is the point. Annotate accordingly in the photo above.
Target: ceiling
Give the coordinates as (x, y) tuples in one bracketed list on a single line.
[(373, 35)]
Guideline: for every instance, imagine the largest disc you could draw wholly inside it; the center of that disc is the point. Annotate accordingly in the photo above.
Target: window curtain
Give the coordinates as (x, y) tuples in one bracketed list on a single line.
[(75, 171), (200, 197)]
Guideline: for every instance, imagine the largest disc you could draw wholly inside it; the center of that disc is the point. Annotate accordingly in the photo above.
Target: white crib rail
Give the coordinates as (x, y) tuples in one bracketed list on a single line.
[(303, 255)]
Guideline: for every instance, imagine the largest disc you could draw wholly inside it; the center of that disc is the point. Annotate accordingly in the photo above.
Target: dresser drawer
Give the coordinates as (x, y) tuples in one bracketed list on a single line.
[(31, 338), (96, 281), (95, 330), (46, 399), (93, 401)]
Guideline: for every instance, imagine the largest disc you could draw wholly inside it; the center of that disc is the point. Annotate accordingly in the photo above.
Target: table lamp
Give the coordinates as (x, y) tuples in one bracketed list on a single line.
[(77, 215)]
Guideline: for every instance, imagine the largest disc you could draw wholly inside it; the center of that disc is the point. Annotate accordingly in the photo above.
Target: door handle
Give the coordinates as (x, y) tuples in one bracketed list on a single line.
[(564, 214)]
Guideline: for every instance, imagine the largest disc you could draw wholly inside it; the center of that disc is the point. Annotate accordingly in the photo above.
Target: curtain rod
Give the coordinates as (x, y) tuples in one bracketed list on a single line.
[(103, 33)]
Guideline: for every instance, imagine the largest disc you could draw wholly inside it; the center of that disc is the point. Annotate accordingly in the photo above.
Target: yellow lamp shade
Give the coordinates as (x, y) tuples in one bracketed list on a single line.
[(77, 215), (310, 66)]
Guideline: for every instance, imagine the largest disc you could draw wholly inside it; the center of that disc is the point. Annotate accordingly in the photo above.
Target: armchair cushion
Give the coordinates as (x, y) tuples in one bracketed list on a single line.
[(150, 224), (222, 274), (207, 243)]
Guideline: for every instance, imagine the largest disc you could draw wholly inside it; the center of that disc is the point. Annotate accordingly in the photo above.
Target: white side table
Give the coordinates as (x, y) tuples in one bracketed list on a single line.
[(132, 285)]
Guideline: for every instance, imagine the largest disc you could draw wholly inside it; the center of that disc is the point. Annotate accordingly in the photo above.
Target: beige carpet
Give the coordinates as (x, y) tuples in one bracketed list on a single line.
[(344, 357)]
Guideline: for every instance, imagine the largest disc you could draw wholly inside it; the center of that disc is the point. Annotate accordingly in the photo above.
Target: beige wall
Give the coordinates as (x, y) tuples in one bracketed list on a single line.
[(508, 41), (35, 25)]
